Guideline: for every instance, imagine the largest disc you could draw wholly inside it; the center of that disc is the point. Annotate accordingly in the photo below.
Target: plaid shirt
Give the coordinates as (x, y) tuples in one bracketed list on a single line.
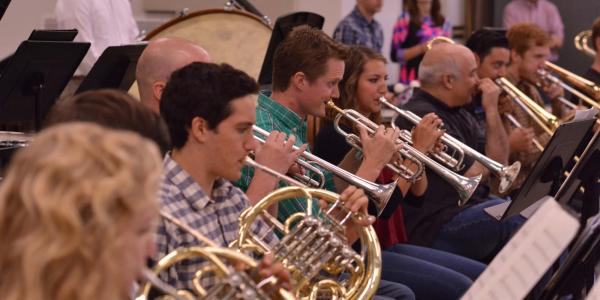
[(215, 216), (270, 116), (354, 29)]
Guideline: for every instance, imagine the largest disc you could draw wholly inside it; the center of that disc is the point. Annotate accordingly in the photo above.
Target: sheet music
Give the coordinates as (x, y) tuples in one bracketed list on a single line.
[(585, 114), (527, 256)]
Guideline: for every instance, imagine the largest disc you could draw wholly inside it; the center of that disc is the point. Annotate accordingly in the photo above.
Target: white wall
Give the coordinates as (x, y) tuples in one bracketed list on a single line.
[(24, 15)]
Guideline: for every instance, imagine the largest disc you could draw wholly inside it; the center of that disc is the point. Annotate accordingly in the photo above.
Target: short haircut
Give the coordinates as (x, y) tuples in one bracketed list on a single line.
[(113, 109), (482, 41), (595, 32), (202, 90), (307, 50), (522, 37)]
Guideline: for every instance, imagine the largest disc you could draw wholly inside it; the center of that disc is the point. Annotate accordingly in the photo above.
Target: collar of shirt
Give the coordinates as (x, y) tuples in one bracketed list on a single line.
[(289, 121), (360, 19), (425, 96), (190, 189)]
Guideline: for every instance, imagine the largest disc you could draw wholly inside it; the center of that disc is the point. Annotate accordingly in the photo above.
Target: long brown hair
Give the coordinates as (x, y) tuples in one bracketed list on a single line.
[(413, 10), (354, 67)]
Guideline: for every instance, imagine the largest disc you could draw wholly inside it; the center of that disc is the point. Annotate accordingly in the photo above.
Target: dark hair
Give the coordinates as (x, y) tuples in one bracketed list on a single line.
[(482, 41), (201, 90), (522, 37), (305, 49), (355, 63), (413, 11), (595, 32), (112, 109)]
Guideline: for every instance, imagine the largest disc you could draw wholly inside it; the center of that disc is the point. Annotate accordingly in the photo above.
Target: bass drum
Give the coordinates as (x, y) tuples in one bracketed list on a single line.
[(230, 36)]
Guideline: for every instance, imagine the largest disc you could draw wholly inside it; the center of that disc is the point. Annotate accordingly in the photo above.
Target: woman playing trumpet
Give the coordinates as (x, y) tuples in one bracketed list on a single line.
[(364, 81)]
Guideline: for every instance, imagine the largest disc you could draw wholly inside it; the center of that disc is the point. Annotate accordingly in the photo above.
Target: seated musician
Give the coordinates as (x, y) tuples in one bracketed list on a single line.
[(448, 76), (492, 54), (209, 110), (363, 83), (593, 73), (529, 50), (77, 214), (307, 68), (158, 60)]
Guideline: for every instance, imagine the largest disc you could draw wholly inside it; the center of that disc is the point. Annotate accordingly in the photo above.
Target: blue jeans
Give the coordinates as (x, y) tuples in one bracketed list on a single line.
[(393, 291), (475, 234), (431, 274)]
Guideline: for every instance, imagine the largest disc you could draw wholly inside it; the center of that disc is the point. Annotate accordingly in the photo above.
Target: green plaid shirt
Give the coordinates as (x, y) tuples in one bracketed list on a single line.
[(271, 116)]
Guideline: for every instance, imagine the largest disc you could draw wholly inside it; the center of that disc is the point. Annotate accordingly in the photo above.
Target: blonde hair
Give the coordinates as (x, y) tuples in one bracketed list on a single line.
[(63, 203)]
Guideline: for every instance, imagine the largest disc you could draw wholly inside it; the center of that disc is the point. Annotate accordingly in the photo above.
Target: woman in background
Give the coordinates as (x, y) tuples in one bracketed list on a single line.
[(77, 214), (420, 22)]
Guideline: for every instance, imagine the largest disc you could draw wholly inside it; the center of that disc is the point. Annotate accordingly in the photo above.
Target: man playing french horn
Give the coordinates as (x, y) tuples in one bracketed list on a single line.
[(210, 110)]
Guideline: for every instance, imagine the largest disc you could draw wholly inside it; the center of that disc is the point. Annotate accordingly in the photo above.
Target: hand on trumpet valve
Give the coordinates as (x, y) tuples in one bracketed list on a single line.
[(427, 133), (379, 147), (520, 139), (490, 92), (355, 201), (277, 152)]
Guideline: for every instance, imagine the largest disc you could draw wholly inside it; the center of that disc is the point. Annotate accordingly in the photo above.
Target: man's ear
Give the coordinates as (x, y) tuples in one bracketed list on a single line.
[(448, 81), (514, 56), (157, 89), (198, 130), (299, 80), (477, 60)]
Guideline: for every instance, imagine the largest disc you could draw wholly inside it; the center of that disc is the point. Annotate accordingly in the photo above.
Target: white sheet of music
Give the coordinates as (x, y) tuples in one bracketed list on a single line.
[(527, 256)]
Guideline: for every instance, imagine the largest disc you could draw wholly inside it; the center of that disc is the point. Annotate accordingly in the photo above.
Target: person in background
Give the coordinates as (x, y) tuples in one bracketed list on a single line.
[(103, 23), (542, 13), (420, 21), (77, 214), (360, 27)]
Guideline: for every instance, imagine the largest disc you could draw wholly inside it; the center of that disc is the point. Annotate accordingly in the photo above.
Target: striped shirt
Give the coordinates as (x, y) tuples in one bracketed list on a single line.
[(271, 116), (215, 216)]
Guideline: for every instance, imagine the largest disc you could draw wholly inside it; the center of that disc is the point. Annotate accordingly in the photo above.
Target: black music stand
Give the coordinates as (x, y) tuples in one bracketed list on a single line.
[(545, 178), (577, 272), (115, 68), (282, 28), (58, 35), (35, 77), (3, 6)]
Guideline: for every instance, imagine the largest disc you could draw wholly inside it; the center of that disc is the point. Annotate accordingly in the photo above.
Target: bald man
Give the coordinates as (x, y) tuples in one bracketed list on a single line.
[(448, 77), (161, 58)]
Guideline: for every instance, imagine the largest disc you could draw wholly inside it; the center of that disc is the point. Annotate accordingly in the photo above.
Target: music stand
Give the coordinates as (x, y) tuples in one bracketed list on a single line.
[(115, 68), (3, 6), (35, 77), (59, 35), (282, 28), (548, 170)]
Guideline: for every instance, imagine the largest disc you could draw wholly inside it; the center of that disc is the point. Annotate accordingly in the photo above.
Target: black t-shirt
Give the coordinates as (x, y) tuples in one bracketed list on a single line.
[(440, 203), (332, 147), (592, 75)]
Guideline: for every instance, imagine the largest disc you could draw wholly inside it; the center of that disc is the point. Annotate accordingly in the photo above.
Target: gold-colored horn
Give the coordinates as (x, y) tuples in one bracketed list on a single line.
[(313, 246), (506, 174), (582, 43), (584, 89), (230, 283), (465, 186)]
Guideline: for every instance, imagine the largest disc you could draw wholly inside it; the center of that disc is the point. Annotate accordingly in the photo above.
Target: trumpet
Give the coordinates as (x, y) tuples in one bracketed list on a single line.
[(582, 43), (575, 84), (231, 284), (506, 174), (465, 186), (379, 194)]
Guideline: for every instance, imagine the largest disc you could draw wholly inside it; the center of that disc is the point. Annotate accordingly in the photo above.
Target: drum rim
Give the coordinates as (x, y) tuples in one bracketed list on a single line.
[(197, 13)]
